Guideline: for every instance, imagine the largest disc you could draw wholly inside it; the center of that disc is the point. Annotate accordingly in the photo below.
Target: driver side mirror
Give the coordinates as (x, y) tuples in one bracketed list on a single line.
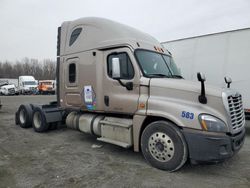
[(116, 70), (116, 73)]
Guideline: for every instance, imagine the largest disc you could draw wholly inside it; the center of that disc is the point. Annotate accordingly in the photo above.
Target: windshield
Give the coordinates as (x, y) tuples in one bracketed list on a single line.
[(33, 83), (154, 64)]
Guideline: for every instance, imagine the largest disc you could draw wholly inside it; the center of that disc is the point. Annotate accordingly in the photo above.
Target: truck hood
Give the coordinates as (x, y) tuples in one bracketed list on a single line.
[(170, 95), (182, 85)]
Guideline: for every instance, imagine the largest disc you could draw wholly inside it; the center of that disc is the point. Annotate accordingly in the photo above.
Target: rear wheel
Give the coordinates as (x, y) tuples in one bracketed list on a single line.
[(24, 116), (39, 121), (163, 146)]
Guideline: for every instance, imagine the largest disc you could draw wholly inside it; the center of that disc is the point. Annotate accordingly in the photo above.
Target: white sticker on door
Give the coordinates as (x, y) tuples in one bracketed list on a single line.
[(88, 97)]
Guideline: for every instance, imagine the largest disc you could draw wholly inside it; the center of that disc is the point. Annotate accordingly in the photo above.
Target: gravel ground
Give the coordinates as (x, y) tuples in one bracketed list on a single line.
[(66, 158)]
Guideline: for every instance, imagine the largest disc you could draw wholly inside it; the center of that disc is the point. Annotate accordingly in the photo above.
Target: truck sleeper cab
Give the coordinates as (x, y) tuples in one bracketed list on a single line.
[(122, 86)]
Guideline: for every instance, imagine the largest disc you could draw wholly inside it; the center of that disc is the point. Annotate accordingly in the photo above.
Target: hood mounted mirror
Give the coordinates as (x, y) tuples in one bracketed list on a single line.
[(202, 97), (228, 81)]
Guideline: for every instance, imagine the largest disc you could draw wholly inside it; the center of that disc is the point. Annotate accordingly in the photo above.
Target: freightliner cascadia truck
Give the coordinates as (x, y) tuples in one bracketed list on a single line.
[(122, 86)]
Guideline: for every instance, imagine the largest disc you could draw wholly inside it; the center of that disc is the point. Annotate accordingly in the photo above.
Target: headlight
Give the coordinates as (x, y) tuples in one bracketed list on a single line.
[(212, 124)]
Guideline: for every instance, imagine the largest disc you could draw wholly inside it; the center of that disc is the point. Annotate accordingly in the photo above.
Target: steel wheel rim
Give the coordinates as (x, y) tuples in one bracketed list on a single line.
[(161, 147), (37, 120)]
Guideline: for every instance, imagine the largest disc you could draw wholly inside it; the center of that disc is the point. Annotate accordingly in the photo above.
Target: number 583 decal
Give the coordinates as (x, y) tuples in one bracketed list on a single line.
[(187, 115)]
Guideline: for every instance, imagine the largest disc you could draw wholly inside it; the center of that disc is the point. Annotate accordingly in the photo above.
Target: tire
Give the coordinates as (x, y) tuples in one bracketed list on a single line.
[(163, 146), (24, 116), (39, 122)]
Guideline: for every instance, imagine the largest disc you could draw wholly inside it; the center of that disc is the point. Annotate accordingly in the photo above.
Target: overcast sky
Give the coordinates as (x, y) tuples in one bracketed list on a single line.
[(29, 27)]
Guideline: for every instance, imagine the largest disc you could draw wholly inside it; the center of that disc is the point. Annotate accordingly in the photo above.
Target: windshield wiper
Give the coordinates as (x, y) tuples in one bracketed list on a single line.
[(177, 76), (159, 75)]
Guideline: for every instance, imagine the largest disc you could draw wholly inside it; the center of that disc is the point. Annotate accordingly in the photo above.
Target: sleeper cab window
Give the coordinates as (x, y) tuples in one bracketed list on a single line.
[(74, 35), (72, 73), (127, 70)]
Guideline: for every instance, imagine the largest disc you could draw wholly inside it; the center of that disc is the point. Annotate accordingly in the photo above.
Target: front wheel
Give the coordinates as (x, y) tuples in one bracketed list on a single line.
[(163, 146)]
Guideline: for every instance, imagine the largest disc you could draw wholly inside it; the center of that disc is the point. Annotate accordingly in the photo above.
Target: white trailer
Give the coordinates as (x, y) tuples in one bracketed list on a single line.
[(217, 55)]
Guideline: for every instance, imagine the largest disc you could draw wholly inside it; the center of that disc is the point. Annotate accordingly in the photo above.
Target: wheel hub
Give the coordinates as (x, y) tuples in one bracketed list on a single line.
[(161, 146)]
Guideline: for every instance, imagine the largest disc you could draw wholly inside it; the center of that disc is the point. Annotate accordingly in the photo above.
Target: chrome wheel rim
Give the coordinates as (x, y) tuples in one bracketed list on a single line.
[(161, 146)]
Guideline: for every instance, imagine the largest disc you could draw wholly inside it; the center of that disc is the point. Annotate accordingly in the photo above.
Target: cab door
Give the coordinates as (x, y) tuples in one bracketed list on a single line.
[(71, 79), (117, 98)]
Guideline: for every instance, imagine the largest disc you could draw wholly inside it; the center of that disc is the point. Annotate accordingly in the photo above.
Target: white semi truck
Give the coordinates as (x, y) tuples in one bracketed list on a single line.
[(27, 85), (122, 86), (218, 54)]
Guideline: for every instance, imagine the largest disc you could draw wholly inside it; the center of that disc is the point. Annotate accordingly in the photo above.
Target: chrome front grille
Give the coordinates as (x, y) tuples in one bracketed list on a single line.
[(236, 112)]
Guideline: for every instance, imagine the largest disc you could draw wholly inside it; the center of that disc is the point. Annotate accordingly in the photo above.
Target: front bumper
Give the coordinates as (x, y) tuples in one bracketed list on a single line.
[(212, 147), (31, 91)]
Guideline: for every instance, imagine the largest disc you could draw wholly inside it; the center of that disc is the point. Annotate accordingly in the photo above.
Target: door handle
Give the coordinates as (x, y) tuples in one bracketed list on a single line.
[(106, 100)]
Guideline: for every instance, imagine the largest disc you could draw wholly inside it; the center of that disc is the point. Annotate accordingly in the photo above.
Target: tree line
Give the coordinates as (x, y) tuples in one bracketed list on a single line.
[(41, 70)]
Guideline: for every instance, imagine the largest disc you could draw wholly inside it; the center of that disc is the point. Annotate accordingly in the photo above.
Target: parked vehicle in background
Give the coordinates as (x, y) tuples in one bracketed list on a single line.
[(54, 86), (46, 87), (122, 86), (27, 85), (218, 54), (9, 89)]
